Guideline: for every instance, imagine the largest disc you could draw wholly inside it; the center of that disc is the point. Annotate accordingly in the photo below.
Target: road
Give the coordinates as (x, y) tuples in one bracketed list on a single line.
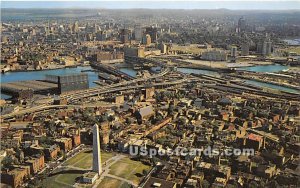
[(48, 107), (98, 89), (90, 94)]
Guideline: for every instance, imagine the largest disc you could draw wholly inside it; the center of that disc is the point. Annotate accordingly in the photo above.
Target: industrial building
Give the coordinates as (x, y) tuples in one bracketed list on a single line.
[(71, 82)]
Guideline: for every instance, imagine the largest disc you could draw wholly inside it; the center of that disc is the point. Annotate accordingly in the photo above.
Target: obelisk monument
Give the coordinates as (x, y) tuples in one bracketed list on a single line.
[(97, 165)]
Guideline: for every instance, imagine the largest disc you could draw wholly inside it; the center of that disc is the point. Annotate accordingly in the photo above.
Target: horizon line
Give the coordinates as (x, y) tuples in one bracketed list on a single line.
[(156, 4), (103, 8)]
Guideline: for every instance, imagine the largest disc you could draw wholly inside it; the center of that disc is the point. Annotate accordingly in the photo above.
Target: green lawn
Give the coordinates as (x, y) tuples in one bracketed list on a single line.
[(77, 158), (63, 178), (129, 169), (84, 159), (112, 183), (125, 168), (50, 183), (67, 177)]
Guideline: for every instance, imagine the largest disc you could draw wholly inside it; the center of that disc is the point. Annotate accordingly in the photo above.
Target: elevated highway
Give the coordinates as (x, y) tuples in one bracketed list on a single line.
[(90, 94), (81, 93), (115, 89)]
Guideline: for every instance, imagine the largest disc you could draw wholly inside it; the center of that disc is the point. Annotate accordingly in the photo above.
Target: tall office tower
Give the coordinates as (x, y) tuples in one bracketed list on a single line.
[(124, 35), (146, 39), (97, 165), (163, 48), (152, 31), (266, 48), (138, 32), (241, 24), (268, 45), (233, 51), (75, 27), (245, 49)]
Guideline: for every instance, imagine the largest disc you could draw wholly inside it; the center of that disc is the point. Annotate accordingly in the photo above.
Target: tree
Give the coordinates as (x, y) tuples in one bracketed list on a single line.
[(7, 161), (129, 121), (171, 109), (253, 184), (145, 172), (103, 118), (205, 184), (111, 118)]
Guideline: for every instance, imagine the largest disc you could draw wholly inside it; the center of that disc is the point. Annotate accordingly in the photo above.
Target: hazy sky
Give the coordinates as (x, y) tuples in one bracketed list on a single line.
[(202, 4)]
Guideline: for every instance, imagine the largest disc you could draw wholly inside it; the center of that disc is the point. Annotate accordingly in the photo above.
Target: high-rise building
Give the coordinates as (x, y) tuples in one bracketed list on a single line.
[(268, 46), (75, 27), (146, 39), (124, 35), (152, 31), (245, 49), (97, 165), (138, 32), (241, 24), (233, 51), (163, 48), (264, 48)]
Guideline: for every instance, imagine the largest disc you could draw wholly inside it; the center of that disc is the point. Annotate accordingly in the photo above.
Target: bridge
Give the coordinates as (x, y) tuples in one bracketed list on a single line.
[(111, 70)]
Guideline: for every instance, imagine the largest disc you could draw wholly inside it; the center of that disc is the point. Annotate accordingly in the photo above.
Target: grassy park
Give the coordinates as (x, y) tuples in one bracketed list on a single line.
[(129, 169), (75, 167), (111, 182), (67, 175), (85, 159)]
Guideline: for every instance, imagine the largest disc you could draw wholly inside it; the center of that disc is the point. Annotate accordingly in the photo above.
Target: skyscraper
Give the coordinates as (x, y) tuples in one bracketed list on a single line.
[(245, 49), (241, 24), (233, 51), (138, 33), (75, 27), (124, 35), (152, 31), (146, 39), (97, 166)]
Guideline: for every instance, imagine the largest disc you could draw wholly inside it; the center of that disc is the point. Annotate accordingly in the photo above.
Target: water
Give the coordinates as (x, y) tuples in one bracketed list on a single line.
[(272, 86), (129, 71), (93, 76), (292, 41), (40, 75), (265, 68), (268, 68)]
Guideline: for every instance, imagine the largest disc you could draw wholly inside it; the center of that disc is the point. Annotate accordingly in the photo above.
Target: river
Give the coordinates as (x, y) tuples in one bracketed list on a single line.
[(272, 86), (265, 68)]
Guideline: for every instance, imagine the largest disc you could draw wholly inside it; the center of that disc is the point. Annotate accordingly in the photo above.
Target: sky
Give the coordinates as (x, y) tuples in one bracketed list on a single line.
[(156, 4)]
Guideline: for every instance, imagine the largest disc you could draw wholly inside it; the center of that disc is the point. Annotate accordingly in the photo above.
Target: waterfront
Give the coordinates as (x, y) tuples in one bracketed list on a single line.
[(40, 75), (265, 68), (272, 86), (292, 41), (129, 71), (93, 76)]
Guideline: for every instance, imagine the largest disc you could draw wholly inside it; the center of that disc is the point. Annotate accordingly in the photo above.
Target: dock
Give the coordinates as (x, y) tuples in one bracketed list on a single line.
[(37, 86)]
